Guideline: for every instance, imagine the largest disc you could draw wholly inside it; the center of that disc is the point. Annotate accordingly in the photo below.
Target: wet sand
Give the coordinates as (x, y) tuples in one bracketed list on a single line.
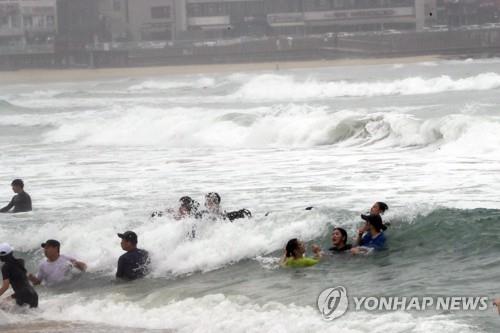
[(72, 75), (61, 327)]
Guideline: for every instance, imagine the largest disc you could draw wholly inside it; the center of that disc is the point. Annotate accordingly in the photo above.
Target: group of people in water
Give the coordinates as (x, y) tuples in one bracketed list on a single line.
[(370, 238), (134, 264), (190, 208), (57, 268)]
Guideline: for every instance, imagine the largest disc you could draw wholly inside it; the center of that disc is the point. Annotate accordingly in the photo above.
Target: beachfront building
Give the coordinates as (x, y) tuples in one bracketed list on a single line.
[(134, 21), (312, 17), (152, 20), (471, 12), (28, 30), (226, 18), (79, 25), (24, 22)]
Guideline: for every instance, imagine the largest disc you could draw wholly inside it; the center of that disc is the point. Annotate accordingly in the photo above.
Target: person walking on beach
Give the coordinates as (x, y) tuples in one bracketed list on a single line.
[(21, 201)]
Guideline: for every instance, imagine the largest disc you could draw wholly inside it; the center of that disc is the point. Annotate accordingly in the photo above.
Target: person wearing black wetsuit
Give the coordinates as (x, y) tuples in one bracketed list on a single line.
[(14, 274), (21, 201), (339, 241), (135, 263)]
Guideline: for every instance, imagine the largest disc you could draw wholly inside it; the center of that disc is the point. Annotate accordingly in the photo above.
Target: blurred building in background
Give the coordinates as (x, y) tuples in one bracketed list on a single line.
[(470, 12), (27, 21), (132, 20), (69, 32)]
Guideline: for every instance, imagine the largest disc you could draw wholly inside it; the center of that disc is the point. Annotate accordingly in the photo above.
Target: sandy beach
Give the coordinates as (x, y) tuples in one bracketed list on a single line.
[(72, 75)]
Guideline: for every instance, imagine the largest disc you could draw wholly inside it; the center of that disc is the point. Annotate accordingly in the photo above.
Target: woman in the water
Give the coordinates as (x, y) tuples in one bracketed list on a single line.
[(14, 274), (294, 255), (339, 241)]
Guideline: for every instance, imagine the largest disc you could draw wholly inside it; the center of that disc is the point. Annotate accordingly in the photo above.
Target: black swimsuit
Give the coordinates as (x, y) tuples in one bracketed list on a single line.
[(346, 247)]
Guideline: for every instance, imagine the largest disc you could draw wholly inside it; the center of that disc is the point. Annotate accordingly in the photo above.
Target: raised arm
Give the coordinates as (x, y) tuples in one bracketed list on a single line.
[(8, 207), (318, 253), (79, 265), (5, 286), (358, 241)]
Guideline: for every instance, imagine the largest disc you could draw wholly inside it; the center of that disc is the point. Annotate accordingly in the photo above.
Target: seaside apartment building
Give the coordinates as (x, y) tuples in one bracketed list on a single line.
[(24, 22), (299, 17), (144, 20), (132, 20), (470, 12)]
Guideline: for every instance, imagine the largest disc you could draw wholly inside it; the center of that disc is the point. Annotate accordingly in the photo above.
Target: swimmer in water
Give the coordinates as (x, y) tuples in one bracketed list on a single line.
[(14, 274), (214, 211), (294, 255), (188, 208), (373, 239), (21, 201), (378, 209), (135, 263), (339, 241), (58, 267)]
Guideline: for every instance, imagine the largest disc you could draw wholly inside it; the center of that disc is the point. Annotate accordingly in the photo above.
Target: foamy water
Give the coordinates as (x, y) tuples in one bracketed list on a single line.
[(99, 157)]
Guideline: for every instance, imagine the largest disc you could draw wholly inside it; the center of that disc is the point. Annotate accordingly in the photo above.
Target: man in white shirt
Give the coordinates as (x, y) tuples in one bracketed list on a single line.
[(57, 268)]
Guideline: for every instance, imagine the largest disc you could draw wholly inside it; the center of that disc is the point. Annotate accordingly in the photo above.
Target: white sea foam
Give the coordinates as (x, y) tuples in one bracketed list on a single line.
[(219, 313), (101, 163), (287, 88), (279, 126), (173, 252), (155, 85)]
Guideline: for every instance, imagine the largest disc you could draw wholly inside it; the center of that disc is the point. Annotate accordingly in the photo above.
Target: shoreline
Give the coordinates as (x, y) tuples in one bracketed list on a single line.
[(87, 74), (48, 326)]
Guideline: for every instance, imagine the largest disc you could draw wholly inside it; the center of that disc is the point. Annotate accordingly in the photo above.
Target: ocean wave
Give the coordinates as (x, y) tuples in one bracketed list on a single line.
[(41, 93), (219, 313), (6, 106), (173, 252), (155, 85), (278, 126), (272, 87), (469, 232)]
